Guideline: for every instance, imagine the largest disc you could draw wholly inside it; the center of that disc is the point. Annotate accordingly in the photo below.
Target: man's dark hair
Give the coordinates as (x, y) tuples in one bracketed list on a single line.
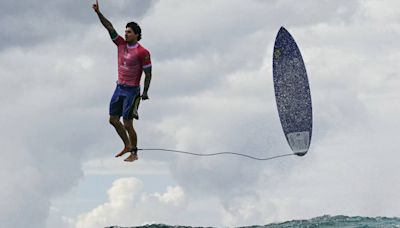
[(136, 29)]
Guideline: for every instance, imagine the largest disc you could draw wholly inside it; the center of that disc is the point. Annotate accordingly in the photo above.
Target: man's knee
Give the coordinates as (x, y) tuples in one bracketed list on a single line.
[(128, 124), (114, 120)]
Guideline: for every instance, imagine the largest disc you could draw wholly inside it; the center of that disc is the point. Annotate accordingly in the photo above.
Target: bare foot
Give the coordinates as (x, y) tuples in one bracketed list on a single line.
[(124, 151), (132, 157)]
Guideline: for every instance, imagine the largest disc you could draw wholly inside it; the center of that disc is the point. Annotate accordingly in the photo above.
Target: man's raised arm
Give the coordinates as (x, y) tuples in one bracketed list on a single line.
[(106, 23)]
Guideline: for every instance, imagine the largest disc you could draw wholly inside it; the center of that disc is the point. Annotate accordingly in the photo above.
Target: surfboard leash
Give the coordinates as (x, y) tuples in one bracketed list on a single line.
[(215, 154)]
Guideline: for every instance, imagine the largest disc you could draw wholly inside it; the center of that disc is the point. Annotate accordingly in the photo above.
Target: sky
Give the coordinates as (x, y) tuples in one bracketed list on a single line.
[(211, 91)]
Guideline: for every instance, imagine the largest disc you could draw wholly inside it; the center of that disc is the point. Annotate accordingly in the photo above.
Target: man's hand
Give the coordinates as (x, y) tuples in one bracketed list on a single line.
[(106, 23), (145, 96), (96, 7)]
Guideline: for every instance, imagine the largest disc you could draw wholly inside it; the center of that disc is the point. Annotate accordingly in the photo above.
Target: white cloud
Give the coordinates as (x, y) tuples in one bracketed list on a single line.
[(128, 205)]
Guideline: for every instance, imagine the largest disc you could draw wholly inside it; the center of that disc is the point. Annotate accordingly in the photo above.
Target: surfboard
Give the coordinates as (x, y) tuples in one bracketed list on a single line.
[(292, 93)]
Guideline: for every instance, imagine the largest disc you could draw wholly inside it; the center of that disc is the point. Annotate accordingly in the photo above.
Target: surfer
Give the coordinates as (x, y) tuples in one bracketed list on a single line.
[(133, 60)]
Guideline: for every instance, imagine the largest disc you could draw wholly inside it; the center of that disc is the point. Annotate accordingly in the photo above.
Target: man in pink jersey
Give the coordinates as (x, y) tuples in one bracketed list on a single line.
[(133, 60)]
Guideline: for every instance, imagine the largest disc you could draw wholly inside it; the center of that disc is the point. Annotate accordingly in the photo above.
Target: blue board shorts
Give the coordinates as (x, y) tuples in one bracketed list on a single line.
[(125, 102)]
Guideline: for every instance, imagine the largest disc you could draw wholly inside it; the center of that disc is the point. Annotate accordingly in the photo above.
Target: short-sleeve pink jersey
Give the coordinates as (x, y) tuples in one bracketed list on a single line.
[(132, 60)]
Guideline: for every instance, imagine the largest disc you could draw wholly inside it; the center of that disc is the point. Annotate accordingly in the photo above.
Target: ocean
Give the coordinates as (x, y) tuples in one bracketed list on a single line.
[(325, 221)]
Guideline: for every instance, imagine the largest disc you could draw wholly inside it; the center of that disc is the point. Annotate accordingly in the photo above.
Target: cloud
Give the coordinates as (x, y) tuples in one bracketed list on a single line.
[(42, 137), (205, 31), (211, 91), (345, 78), (29, 182), (128, 205), (27, 24)]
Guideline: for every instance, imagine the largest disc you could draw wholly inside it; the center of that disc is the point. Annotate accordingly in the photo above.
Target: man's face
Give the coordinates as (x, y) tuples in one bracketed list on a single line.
[(130, 36)]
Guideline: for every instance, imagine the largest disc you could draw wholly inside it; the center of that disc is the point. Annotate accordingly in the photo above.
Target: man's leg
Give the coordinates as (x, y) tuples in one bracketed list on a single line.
[(119, 127), (128, 125)]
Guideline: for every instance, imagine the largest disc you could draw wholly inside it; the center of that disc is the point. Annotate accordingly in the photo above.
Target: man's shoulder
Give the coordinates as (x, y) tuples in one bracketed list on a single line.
[(143, 49), (119, 40)]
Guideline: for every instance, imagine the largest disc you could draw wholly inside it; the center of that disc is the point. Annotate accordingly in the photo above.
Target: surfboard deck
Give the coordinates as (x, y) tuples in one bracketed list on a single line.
[(292, 92)]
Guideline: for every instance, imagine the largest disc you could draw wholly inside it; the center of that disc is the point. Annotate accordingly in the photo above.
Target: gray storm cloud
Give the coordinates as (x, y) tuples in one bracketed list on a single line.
[(27, 23)]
